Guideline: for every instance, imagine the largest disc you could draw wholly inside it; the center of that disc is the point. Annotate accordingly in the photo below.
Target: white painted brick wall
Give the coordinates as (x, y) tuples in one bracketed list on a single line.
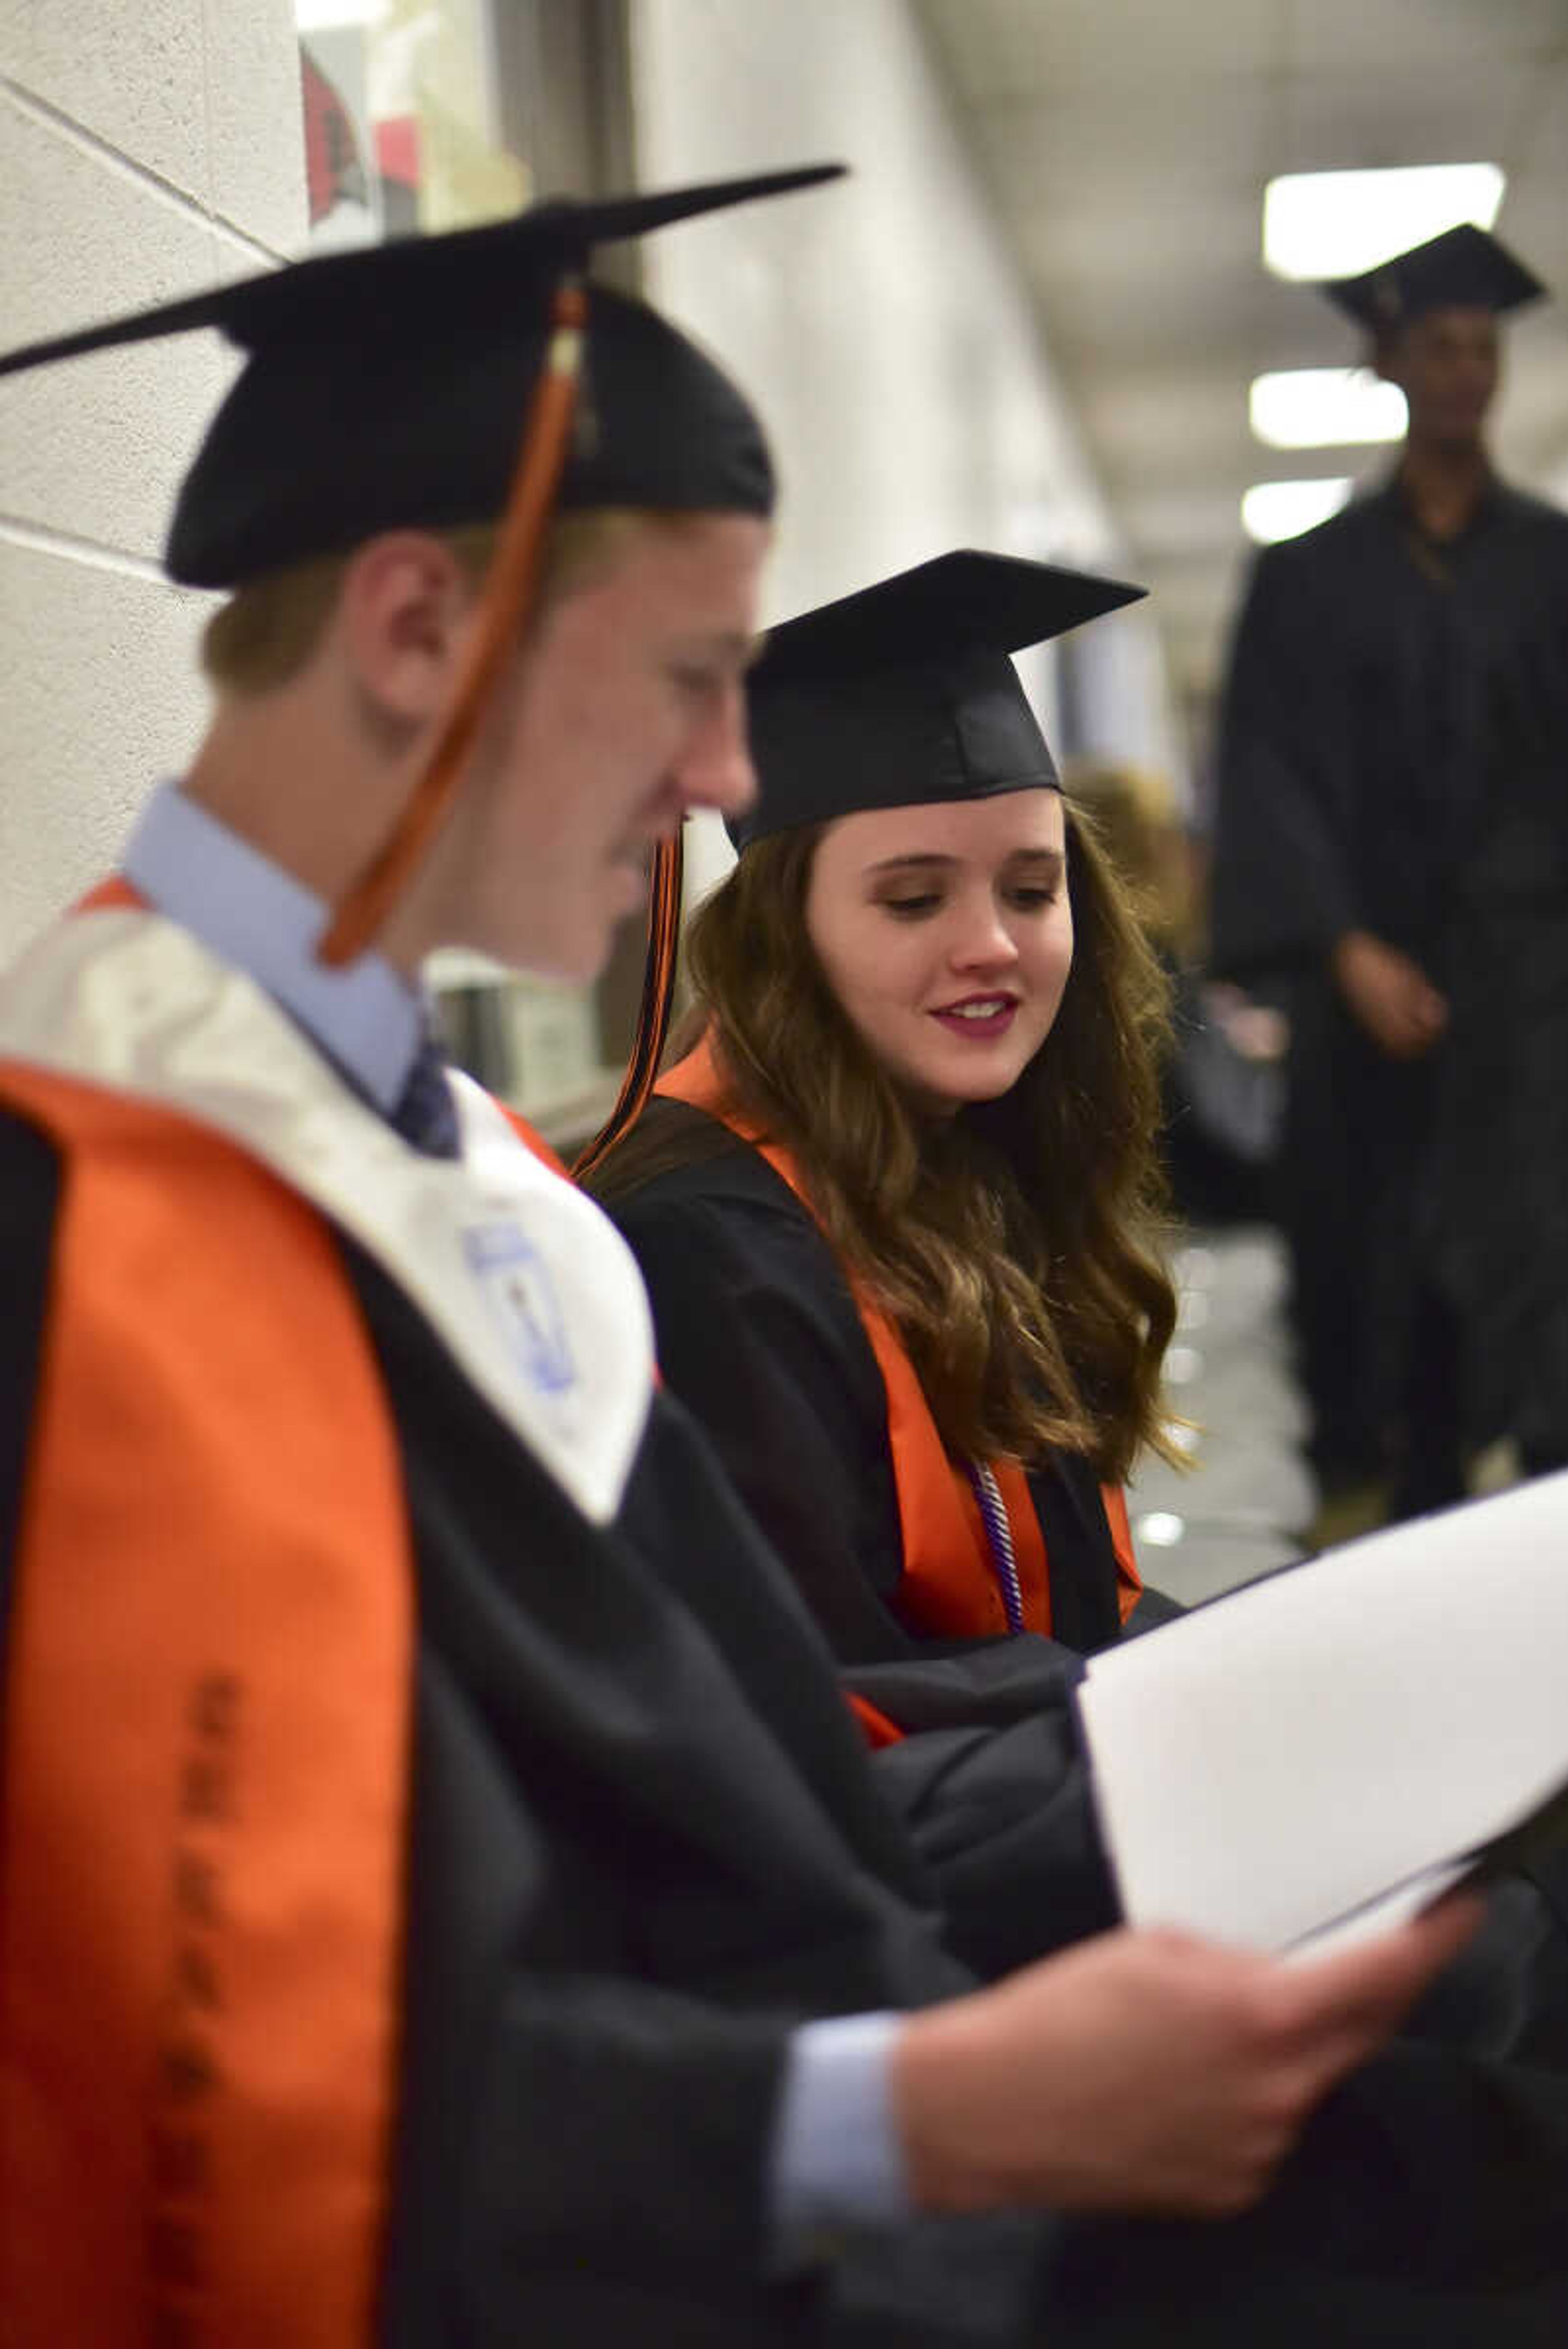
[(147, 148), (101, 697)]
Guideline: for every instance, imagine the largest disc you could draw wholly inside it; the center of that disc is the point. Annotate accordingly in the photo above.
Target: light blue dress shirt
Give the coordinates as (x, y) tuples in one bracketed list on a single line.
[(837, 2161), (367, 1018)]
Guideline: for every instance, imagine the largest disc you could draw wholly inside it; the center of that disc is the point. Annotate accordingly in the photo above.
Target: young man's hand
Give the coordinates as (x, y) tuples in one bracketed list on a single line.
[(1146, 2072)]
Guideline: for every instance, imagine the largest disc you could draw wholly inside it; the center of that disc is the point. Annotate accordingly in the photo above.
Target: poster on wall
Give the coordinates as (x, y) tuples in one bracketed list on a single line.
[(341, 180), (402, 118)]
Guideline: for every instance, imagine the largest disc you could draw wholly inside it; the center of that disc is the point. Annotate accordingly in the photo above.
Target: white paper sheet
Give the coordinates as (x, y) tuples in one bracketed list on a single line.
[(1317, 1742)]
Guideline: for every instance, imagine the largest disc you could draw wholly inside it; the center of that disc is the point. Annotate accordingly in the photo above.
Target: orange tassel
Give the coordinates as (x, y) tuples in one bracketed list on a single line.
[(507, 602), (653, 1016)]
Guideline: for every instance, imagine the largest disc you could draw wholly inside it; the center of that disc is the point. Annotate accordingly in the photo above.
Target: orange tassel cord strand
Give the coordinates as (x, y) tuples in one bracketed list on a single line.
[(653, 1016), (507, 601)]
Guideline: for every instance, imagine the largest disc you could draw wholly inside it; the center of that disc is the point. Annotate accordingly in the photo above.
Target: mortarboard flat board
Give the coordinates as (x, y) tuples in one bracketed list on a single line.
[(1465, 268), (904, 693), (386, 389)]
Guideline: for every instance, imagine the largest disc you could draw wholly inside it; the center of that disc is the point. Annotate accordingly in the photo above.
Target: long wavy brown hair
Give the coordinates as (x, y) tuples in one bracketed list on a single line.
[(1016, 1245)]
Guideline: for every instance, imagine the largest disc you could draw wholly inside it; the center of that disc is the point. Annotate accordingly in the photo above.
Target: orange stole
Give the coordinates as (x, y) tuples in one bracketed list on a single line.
[(875, 1726), (533, 1142), (949, 1587), (202, 1805)]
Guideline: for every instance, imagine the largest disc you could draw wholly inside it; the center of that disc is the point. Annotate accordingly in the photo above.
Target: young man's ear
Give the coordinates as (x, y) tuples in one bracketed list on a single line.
[(405, 604)]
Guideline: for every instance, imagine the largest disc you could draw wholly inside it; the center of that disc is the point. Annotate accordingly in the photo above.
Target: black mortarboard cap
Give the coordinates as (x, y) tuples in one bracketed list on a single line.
[(386, 388), (1464, 269), (904, 693)]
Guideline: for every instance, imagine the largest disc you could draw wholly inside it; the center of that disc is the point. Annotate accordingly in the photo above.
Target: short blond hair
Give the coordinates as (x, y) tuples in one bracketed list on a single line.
[(269, 629)]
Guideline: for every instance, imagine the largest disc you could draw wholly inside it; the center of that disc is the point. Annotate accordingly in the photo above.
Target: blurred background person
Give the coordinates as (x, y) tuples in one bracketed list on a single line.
[(1391, 840), (1221, 1079)]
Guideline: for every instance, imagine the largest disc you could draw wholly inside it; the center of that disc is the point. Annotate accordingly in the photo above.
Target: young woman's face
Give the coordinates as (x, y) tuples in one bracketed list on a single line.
[(946, 934)]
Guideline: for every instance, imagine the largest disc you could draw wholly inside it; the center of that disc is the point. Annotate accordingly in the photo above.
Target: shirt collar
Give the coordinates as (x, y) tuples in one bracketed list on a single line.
[(191, 867)]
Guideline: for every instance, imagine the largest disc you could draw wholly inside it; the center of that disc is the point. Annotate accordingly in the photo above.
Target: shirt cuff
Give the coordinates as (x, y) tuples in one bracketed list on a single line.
[(837, 2167)]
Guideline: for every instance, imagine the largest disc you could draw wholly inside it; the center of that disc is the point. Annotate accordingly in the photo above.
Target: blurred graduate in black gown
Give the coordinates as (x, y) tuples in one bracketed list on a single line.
[(1392, 841)]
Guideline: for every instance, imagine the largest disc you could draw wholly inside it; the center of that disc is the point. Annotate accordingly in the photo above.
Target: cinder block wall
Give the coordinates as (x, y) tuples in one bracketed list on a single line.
[(148, 148)]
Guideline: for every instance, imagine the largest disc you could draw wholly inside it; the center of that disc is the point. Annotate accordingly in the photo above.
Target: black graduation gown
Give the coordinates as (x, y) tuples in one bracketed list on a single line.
[(1395, 734), (644, 1841), (757, 1333)]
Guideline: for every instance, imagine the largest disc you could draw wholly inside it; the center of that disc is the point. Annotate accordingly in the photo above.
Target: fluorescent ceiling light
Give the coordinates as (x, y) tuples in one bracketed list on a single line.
[(1324, 408), (1338, 223), (1274, 510)]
